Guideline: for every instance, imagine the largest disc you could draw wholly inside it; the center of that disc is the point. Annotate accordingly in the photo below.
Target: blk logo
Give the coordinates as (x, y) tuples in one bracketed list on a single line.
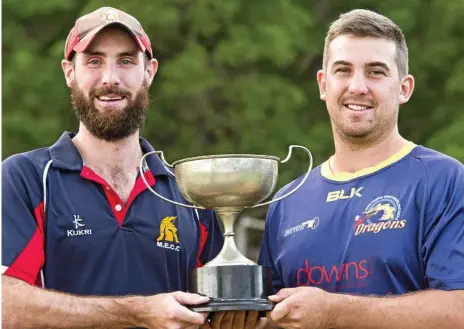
[(342, 195)]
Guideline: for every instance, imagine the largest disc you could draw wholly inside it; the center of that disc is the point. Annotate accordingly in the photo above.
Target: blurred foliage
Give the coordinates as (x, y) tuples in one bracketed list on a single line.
[(235, 76)]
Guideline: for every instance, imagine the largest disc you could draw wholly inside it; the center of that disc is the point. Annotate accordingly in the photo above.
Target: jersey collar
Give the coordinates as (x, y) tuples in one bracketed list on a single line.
[(346, 176), (66, 156)]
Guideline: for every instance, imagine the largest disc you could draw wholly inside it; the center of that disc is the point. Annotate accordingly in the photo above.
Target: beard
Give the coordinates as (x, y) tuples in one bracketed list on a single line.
[(362, 129), (111, 125)]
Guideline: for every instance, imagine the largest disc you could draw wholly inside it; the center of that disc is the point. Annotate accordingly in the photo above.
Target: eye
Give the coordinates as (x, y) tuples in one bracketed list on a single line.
[(342, 70), (126, 61), (377, 73), (94, 61)]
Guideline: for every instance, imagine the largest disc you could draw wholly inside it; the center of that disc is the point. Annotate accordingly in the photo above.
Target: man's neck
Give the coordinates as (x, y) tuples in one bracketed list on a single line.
[(97, 153), (351, 158)]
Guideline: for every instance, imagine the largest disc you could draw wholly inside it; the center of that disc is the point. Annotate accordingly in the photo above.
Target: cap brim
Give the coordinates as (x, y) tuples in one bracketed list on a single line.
[(83, 44)]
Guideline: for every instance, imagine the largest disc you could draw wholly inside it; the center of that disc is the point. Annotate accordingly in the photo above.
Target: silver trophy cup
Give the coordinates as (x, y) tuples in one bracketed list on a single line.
[(228, 184)]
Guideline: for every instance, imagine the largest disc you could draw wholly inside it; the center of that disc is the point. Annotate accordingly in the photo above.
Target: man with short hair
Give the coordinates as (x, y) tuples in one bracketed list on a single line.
[(389, 213), (78, 219)]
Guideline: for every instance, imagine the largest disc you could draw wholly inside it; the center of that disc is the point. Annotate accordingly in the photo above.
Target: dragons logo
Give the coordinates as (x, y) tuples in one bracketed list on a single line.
[(387, 206), (381, 214)]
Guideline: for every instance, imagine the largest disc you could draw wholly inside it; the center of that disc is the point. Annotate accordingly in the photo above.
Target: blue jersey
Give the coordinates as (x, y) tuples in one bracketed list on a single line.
[(65, 228), (390, 229)]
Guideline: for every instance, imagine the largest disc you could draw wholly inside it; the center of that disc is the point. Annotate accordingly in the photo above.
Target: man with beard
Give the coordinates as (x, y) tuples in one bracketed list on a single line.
[(387, 215), (83, 238)]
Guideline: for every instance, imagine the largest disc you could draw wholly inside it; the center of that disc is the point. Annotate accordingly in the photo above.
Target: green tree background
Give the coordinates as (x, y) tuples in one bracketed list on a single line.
[(235, 76)]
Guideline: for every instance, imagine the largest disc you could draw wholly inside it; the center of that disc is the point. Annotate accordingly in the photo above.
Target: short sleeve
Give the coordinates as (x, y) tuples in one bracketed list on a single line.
[(211, 237), (443, 249), (22, 220)]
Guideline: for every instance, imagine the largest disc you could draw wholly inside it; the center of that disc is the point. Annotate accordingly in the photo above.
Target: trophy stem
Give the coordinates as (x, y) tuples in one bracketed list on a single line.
[(228, 219), (229, 254)]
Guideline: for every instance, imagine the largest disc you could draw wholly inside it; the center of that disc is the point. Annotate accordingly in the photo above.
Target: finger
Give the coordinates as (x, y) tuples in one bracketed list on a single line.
[(217, 318), (280, 311), (239, 320), (251, 320), (282, 294), (227, 320), (195, 326), (205, 316), (206, 325), (184, 314), (186, 298), (263, 323)]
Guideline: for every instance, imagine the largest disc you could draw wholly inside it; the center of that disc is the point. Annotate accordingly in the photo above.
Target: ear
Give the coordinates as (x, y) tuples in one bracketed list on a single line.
[(322, 84), (150, 71), (68, 70), (407, 87)]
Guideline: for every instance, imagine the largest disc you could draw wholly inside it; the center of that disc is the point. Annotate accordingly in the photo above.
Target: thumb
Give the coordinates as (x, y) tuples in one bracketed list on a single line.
[(186, 298), (282, 294)]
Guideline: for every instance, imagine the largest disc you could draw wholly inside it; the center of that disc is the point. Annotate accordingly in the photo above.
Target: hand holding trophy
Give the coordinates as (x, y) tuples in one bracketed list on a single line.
[(228, 184)]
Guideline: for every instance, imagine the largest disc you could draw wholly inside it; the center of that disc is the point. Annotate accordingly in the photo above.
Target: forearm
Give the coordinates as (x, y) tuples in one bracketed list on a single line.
[(422, 310), (25, 306)]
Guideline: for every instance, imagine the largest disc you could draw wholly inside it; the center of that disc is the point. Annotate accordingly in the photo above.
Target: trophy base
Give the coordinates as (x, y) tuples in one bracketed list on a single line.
[(232, 288), (217, 305)]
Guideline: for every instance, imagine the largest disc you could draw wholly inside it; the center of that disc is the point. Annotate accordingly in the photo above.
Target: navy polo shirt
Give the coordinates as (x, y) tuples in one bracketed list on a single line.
[(65, 228)]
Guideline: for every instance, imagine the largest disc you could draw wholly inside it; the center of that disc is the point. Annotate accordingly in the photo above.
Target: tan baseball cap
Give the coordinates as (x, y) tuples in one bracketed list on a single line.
[(88, 26)]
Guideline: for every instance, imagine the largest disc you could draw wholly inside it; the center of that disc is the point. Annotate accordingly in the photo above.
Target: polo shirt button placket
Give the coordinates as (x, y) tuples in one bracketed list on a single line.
[(118, 207)]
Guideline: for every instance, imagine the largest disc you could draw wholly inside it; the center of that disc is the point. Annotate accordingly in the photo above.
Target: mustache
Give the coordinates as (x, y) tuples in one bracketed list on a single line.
[(98, 92)]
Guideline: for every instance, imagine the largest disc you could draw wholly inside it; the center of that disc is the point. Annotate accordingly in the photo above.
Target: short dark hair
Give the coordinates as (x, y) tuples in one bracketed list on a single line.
[(366, 23)]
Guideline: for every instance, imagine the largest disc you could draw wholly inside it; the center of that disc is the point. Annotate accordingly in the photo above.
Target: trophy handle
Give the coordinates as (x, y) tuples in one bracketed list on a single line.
[(161, 155), (302, 181)]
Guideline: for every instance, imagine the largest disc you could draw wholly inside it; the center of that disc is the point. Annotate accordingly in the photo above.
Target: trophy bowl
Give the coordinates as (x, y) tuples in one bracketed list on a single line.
[(228, 184), (231, 181)]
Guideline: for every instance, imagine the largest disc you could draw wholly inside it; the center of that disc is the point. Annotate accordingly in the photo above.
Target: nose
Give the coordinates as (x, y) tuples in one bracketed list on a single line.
[(357, 84), (110, 76)]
